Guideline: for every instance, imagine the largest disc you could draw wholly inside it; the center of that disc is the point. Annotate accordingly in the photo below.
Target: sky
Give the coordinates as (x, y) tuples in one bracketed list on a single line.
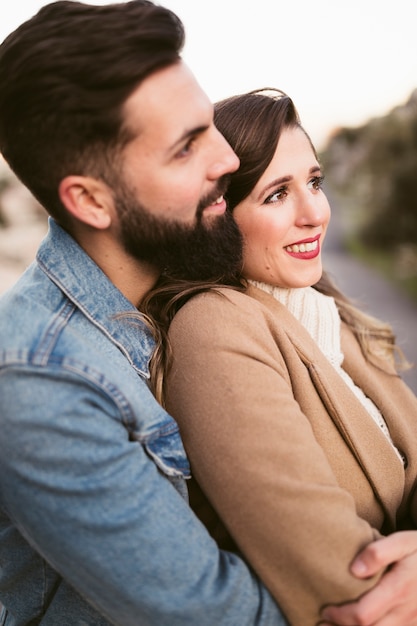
[(343, 62)]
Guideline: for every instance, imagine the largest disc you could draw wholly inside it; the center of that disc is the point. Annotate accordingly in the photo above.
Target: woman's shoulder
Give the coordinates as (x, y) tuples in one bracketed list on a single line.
[(222, 300), (227, 310), (223, 320)]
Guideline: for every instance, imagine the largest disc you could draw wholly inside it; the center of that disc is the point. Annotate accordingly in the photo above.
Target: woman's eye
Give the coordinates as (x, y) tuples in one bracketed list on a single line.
[(316, 182), (277, 196)]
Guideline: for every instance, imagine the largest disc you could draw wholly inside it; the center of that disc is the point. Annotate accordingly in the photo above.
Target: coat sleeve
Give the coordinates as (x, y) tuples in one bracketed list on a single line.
[(254, 454)]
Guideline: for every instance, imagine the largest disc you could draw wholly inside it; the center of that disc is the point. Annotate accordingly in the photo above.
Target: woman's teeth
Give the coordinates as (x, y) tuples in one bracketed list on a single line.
[(302, 247)]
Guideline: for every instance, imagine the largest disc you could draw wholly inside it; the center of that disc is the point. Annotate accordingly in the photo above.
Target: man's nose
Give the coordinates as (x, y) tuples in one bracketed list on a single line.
[(225, 161)]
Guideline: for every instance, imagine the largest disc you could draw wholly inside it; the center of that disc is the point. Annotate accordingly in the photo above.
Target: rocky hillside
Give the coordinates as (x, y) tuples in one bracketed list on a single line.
[(372, 169)]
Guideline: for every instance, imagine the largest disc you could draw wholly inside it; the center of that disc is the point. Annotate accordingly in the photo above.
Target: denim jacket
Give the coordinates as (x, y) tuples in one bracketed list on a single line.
[(94, 525)]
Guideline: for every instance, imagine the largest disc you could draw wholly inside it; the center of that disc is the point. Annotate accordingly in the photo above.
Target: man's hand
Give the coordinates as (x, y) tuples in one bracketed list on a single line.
[(393, 601)]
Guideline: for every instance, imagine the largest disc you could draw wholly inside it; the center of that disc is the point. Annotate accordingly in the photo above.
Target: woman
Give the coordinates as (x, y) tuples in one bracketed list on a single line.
[(300, 432)]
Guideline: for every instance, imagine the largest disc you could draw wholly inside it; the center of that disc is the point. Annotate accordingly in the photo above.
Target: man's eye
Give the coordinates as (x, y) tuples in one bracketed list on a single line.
[(186, 149)]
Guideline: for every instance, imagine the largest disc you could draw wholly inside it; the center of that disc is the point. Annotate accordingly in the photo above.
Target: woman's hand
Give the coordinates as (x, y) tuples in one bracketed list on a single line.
[(393, 601)]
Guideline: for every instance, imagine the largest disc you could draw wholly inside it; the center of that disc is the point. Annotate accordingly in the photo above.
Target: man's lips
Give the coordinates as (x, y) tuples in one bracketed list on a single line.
[(217, 207)]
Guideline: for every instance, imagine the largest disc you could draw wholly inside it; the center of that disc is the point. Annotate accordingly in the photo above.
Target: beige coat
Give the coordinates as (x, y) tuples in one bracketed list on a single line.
[(292, 462)]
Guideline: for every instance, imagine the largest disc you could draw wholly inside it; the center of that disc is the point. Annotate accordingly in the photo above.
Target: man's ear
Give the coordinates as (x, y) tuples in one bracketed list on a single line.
[(88, 200)]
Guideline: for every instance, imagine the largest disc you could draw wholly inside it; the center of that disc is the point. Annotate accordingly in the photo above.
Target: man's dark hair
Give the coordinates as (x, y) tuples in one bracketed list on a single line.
[(65, 75)]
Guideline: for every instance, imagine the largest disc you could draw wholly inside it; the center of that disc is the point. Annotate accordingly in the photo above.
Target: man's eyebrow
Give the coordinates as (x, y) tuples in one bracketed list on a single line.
[(192, 132)]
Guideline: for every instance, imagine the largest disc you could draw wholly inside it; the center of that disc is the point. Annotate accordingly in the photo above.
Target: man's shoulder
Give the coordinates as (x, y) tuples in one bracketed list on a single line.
[(26, 306), (41, 325)]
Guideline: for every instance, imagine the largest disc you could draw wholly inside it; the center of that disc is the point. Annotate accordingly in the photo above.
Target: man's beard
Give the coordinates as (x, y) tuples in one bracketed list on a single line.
[(205, 250)]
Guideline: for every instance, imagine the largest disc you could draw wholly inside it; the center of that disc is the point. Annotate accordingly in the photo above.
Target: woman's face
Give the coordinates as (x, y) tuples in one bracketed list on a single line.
[(285, 218)]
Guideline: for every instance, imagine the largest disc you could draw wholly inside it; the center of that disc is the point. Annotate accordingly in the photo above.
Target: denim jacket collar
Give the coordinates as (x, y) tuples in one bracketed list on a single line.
[(86, 285)]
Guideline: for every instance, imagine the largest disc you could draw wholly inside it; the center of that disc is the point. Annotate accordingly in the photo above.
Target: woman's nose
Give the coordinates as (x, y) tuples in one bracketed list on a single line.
[(313, 209)]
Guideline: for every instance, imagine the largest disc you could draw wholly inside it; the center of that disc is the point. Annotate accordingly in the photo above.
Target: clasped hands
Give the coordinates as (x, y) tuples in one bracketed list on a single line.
[(393, 601)]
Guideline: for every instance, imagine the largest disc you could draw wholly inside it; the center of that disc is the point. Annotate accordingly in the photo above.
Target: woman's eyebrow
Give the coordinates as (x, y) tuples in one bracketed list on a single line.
[(274, 183)]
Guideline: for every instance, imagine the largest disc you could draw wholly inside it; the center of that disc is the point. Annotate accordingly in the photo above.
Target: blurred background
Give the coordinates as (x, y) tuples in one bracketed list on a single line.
[(351, 69)]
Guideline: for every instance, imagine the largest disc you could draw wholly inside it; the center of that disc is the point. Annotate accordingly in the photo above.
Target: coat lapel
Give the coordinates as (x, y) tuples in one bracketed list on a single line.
[(375, 454)]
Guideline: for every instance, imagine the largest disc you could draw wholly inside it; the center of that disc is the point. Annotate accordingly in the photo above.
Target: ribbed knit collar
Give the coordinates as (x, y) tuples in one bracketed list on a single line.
[(316, 312)]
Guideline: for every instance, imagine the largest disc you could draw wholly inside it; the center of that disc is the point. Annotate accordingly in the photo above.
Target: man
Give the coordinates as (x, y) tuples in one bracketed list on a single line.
[(106, 126)]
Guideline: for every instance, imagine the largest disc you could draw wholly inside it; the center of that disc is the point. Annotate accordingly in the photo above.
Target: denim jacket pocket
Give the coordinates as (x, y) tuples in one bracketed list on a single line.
[(165, 447), (160, 437)]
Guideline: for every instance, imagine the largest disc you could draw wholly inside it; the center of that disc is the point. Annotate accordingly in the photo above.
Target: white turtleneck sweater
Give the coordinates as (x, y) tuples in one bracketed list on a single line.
[(319, 315)]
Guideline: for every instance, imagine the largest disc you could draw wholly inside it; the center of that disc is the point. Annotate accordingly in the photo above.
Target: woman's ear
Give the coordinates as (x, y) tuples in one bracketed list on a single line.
[(88, 200)]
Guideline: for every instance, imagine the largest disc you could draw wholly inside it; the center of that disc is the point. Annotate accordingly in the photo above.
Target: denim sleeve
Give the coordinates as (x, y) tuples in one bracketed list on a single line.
[(94, 505)]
